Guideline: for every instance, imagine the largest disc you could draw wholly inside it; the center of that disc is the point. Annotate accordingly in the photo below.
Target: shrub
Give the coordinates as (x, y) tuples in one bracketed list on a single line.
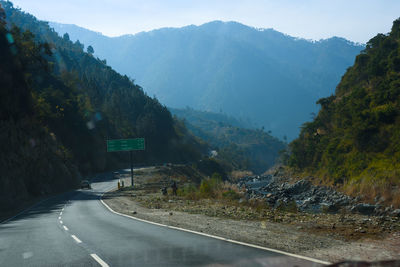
[(211, 186), (290, 206), (188, 191), (231, 195)]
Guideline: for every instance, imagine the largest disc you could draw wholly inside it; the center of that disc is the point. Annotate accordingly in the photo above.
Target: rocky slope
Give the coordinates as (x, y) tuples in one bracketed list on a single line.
[(302, 195)]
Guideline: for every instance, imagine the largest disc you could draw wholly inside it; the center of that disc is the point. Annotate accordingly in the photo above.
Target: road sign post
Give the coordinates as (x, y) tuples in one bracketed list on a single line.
[(118, 145), (130, 153)]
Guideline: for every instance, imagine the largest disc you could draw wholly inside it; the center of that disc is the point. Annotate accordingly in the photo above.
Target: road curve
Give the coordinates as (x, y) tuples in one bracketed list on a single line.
[(76, 229)]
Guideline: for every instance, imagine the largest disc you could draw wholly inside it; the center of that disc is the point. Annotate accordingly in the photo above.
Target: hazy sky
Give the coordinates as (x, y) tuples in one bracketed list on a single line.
[(356, 20)]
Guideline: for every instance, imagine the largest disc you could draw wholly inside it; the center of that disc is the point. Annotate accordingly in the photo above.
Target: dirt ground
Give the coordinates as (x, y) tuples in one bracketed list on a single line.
[(328, 237)]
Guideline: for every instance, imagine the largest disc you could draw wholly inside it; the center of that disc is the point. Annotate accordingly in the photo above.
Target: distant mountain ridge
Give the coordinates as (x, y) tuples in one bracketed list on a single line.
[(238, 148), (263, 75), (203, 117)]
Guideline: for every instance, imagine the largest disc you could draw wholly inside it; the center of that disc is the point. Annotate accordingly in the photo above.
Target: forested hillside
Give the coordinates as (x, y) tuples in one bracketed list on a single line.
[(207, 120), (237, 147), (260, 75), (58, 107), (355, 139)]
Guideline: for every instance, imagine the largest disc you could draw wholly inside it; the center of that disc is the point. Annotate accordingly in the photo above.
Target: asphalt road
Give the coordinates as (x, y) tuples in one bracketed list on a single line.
[(76, 229)]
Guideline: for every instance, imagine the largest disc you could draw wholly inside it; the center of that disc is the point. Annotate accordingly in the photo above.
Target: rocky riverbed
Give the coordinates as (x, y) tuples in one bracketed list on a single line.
[(304, 196)]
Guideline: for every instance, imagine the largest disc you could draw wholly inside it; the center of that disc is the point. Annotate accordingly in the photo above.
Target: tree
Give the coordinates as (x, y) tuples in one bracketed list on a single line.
[(66, 37), (2, 16), (90, 49), (79, 44)]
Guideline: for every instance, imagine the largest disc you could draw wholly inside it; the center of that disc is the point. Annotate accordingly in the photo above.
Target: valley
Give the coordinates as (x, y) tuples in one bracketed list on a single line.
[(257, 148), (260, 76)]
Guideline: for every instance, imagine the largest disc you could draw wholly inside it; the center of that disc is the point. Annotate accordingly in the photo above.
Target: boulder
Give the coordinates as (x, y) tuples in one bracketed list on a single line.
[(299, 187), (366, 209), (329, 207), (396, 213)]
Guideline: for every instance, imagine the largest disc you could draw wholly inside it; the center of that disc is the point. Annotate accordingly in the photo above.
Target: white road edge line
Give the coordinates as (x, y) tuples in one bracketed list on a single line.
[(99, 261), (61, 222), (76, 239), (216, 237), (60, 213), (59, 217), (65, 228)]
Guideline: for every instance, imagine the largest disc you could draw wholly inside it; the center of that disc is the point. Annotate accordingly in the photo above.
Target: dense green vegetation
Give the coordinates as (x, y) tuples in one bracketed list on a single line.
[(60, 104), (237, 147), (262, 76), (355, 139), (28, 148)]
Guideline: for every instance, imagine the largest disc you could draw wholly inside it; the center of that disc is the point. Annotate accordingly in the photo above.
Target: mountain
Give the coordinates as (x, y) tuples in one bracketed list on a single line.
[(59, 105), (207, 120), (237, 147), (354, 141), (254, 74)]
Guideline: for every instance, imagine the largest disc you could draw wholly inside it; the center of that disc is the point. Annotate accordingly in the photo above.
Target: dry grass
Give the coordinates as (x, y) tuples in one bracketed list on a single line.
[(396, 200), (210, 188), (386, 192)]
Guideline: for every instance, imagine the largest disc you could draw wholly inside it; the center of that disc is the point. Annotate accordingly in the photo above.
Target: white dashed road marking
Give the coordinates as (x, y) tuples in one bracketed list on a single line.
[(100, 261), (27, 255), (76, 239)]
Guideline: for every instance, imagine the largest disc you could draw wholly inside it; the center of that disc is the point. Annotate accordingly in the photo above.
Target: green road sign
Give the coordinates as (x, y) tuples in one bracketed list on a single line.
[(125, 144)]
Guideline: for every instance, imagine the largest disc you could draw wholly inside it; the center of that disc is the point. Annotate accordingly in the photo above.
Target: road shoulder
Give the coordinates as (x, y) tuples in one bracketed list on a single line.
[(273, 235)]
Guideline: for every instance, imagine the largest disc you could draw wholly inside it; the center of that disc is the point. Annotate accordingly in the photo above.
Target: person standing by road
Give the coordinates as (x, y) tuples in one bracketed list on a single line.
[(174, 188), (164, 191)]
